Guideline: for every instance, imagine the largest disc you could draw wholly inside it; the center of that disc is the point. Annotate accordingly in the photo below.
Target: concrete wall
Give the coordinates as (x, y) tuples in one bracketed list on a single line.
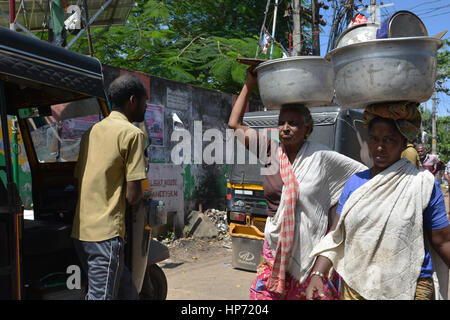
[(203, 184)]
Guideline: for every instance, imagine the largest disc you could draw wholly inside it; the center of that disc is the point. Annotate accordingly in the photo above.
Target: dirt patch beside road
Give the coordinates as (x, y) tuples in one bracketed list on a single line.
[(200, 269), (190, 250)]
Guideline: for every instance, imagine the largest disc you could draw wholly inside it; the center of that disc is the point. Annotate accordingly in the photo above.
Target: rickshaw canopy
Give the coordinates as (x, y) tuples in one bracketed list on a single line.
[(36, 73)]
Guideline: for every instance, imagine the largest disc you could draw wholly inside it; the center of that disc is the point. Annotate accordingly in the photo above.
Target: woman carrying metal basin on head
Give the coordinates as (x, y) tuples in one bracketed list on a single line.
[(300, 196), (391, 237)]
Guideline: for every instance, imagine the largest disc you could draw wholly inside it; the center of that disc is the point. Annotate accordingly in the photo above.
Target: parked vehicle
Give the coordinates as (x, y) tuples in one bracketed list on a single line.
[(56, 95), (338, 128)]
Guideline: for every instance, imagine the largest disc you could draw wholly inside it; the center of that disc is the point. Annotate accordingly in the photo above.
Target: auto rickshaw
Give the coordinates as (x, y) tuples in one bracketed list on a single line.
[(56, 95)]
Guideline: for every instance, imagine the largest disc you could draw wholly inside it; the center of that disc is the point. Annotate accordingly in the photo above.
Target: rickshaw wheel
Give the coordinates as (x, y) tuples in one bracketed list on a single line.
[(154, 286)]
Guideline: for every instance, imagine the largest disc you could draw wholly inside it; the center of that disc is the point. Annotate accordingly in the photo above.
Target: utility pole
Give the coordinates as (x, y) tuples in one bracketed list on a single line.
[(297, 33), (374, 10), (433, 125), (315, 28)]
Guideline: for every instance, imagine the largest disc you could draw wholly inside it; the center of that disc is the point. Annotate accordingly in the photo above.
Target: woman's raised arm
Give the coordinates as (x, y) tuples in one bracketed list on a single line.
[(237, 113)]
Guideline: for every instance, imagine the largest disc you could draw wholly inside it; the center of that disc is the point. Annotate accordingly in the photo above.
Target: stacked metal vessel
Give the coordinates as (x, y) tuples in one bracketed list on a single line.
[(361, 70)]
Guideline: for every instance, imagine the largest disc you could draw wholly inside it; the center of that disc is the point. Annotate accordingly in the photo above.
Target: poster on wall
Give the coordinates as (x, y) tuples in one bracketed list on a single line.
[(178, 99), (154, 122), (157, 154)]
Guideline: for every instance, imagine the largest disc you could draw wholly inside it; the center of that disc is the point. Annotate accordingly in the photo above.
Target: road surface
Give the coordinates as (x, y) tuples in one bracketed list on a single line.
[(201, 270)]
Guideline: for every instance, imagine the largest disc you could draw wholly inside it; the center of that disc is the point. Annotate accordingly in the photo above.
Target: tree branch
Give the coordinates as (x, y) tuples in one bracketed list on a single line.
[(190, 43)]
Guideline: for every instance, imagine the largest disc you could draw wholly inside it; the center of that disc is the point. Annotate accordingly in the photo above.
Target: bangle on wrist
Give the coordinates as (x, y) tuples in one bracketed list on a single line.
[(318, 273)]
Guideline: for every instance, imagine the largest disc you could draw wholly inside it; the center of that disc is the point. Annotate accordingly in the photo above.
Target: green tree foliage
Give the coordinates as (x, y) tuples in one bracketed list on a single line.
[(442, 123), (197, 42), (191, 41), (443, 143), (442, 136), (443, 72)]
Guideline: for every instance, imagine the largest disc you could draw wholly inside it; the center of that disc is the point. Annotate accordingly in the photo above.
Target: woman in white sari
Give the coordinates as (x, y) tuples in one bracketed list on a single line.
[(391, 236), (299, 195)]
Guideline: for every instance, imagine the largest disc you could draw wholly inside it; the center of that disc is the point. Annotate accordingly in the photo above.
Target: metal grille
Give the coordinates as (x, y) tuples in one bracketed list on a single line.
[(270, 120), (259, 223)]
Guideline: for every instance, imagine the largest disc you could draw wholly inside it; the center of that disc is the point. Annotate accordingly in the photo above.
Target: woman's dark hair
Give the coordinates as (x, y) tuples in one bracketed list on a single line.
[(390, 122), (301, 110), (122, 88)]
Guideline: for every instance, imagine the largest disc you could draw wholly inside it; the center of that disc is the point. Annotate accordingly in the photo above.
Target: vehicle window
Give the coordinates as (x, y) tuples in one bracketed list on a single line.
[(323, 134), (56, 130)]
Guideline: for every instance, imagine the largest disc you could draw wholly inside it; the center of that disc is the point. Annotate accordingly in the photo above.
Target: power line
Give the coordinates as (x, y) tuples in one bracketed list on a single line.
[(434, 15), (386, 13), (429, 10), (423, 3)]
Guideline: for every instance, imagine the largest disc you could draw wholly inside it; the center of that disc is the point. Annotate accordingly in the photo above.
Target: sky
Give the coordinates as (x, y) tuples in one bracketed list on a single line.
[(435, 14)]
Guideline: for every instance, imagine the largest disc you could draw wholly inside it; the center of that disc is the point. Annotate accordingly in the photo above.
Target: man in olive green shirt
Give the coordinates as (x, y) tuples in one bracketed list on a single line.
[(411, 154), (109, 171)]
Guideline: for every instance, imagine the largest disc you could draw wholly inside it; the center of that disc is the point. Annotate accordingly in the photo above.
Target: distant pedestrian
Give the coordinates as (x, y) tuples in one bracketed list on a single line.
[(447, 173), (430, 162), (411, 154)]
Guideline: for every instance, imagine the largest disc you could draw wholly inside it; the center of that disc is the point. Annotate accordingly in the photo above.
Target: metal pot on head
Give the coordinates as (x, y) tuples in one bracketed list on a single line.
[(358, 33), (402, 24), (396, 69), (306, 80)]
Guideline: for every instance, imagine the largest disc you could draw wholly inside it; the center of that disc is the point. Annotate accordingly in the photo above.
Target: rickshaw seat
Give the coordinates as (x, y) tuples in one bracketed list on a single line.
[(43, 237)]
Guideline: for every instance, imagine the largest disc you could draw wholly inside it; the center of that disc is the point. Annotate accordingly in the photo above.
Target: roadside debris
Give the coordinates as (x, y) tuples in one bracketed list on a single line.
[(219, 218), (205, 233), (209, 224)]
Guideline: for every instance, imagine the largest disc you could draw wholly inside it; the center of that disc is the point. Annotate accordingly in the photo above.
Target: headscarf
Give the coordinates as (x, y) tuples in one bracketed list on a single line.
[(405, 114)]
